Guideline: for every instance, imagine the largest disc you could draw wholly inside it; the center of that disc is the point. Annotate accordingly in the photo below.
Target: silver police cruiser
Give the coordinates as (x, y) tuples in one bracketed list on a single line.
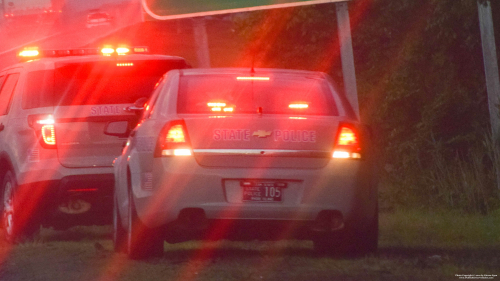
[(56, 148), (245, 154)]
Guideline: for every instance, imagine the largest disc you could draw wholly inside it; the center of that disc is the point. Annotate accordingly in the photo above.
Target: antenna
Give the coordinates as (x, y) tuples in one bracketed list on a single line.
[(253, 64)]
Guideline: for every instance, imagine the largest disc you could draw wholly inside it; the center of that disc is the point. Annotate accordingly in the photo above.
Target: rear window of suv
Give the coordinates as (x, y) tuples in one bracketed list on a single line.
[(108, 82), (230, 94)]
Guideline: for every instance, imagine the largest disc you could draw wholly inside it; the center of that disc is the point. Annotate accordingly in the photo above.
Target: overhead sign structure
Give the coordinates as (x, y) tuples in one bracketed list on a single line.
[(176, 9)]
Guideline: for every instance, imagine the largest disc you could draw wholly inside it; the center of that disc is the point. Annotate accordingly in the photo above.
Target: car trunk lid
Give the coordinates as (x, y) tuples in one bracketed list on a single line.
[(80, 134), (255, 141)]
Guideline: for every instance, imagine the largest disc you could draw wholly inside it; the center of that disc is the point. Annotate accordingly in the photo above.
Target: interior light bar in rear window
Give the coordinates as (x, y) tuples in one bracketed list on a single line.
[(298, 105), (242, 78), (216, 104)]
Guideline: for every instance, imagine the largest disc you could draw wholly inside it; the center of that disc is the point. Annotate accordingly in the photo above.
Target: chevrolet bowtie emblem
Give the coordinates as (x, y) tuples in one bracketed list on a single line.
[(262, 133)]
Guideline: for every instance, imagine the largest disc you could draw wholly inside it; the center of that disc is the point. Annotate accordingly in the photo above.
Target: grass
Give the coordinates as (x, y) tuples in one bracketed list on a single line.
[(414, 245), (442, 229)]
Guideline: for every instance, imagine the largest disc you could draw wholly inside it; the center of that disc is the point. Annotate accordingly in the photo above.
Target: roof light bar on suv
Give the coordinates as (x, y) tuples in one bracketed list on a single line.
[(31, 53)]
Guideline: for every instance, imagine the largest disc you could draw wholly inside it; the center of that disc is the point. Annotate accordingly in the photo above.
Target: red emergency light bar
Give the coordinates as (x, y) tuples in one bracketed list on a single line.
[(35, 53)]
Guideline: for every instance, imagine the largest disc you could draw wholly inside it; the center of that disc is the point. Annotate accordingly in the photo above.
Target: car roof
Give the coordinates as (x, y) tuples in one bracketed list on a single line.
[(91, 58), (249, 71)]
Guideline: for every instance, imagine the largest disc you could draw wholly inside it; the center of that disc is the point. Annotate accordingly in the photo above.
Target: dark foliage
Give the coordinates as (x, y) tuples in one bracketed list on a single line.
[(420, 76)]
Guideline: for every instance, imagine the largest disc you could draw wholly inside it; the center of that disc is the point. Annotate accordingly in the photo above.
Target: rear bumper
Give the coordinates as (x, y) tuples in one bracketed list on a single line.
[(346, 187), (47, 197)]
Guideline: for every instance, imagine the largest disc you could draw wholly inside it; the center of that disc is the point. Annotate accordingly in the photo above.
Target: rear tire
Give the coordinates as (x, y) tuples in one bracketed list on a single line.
[(349, 242), (332, 244), (142, 242), (119, 233), (369, 241), (19, 217)]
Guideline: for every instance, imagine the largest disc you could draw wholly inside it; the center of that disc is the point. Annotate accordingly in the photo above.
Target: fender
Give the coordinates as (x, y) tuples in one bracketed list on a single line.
[(5, 164)]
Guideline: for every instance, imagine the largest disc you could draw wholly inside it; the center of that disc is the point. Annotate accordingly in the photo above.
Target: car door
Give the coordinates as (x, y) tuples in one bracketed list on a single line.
[(143, 142)]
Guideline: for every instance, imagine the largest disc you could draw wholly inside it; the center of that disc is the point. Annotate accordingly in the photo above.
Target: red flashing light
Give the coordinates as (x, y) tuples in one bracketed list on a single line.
[(44, 126), (175, 134), (107, 51), (49, 134), (347, 144), (34, 53), (29, 53), (173, 140), (347, 137), (140, 49), (122, 51)]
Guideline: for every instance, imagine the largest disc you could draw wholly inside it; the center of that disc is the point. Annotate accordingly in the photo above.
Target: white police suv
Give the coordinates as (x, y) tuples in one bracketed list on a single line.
[(245, 154), (56, 145)]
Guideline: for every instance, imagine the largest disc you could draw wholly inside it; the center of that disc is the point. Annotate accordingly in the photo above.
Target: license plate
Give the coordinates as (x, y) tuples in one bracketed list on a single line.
[(260, 191)]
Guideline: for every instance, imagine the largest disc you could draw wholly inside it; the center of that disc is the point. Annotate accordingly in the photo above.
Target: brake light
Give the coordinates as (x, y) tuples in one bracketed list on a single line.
[(347, 143), (173, 140), (49, 134), (44, 126), (176, 134)]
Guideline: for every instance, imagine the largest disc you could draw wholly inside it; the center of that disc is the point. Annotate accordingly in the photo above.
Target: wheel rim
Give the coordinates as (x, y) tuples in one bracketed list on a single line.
[(8, 209)]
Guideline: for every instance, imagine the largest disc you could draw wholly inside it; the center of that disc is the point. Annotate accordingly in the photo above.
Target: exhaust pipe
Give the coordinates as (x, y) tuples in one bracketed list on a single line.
[(328, 221), (74, 206)]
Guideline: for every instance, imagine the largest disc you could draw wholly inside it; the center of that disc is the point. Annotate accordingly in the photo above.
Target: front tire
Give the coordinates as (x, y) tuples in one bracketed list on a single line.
[(142, 242), (19, 217)]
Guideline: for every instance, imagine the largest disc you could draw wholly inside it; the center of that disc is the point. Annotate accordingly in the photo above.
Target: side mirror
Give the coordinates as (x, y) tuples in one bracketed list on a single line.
[(117, 128), (138, 105)]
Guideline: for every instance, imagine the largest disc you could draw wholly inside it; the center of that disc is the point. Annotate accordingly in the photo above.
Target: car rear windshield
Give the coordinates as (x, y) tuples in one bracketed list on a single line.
[(231, 94), (108, 82)]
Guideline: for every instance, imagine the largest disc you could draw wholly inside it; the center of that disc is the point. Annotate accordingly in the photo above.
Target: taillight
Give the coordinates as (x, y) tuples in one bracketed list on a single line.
[(347, 144), (173, 140), (44, 126)]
